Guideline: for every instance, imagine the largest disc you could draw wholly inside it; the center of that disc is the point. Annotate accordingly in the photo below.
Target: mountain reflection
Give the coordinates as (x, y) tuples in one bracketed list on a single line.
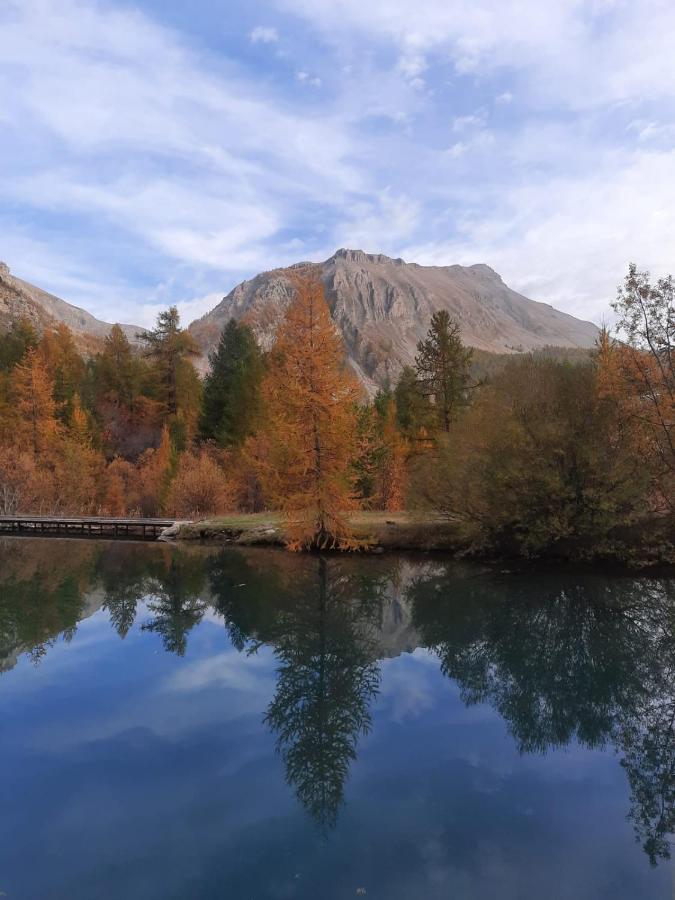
[(561, 658)]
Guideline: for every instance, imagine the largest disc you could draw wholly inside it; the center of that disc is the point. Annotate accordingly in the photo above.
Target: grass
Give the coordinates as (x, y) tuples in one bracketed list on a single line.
[(385, 530)]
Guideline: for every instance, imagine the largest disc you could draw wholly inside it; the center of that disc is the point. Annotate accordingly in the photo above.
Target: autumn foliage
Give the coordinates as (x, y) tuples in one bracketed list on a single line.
[(537, 454), (310, 399)]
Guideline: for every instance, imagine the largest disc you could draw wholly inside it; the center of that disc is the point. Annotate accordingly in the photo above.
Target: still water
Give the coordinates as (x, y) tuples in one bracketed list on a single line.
[(209, 723)]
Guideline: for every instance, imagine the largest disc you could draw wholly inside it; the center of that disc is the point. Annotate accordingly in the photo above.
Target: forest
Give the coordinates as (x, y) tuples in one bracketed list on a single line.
[(542, 454)]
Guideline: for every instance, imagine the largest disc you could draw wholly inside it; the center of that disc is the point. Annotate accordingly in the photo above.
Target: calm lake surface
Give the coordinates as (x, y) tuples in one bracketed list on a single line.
[(193, 723)]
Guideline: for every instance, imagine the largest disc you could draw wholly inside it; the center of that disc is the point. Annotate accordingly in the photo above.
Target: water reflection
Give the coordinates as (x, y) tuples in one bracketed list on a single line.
[(322, 625), (561, 658)]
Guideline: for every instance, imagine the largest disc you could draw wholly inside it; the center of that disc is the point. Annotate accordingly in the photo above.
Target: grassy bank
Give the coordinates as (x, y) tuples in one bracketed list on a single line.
[(388, 531)]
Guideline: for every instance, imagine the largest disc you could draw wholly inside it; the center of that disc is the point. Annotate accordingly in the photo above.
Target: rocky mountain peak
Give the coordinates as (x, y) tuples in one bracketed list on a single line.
[(20, 299), (359, 256), (383, 306)]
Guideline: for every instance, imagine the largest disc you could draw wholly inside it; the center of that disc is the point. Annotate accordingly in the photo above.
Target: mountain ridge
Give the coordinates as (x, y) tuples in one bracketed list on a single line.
[(383, 305), (19, 298)]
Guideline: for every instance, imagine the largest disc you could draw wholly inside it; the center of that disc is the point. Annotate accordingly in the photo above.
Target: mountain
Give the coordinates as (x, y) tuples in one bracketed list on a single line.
[(383, 306), (20, 299)]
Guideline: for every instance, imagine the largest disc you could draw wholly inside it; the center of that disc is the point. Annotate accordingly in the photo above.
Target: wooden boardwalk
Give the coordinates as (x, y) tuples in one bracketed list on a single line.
[(96, 526)]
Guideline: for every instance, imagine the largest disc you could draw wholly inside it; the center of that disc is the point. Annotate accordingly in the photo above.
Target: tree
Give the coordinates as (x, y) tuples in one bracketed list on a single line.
[(310, 401), (117, 372), (200, 487), (66, 367), (231, 404), (171, 348), (646, 316), (412, 406), (390, 472), (156, 469), (33, 391), (14, 345), (540, 465), (442, 365)]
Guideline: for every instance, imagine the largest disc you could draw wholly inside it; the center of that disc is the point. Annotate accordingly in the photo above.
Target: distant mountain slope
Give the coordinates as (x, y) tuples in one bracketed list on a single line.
[(383, 307), (19, 298)]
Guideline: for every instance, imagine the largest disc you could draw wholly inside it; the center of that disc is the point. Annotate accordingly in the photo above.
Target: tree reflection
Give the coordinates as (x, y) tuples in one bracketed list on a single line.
[(321, 617), (327, 679), (46, 590), (560, 657), (124, 574), (585, 658), (175, 599), (42, 598)]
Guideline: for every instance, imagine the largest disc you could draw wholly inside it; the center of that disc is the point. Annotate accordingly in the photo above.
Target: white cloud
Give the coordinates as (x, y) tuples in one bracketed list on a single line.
[(262, 34), (582, 53), (226, 670), (138, 167), (473, 120), (568, 240), (306, 78)]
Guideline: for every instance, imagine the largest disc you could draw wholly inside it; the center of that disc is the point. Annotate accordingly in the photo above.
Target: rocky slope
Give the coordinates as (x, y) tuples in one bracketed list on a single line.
[(383, 306), (20, 299)]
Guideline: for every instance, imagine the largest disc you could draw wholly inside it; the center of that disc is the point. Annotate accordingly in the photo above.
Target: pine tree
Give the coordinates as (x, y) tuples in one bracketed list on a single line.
[(311, 401), (412, 406), (442, 365), (20, 338), (171, 348), (116, 369), (231, 401), (66, 368)]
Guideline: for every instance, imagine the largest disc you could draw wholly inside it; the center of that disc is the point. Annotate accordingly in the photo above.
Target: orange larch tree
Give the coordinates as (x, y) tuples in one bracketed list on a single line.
[(33, 392), (390, 476), (310, 397)]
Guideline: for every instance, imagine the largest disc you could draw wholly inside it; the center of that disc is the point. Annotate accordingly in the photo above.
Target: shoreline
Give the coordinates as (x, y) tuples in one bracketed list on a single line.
[(406, 532), (384, 531)]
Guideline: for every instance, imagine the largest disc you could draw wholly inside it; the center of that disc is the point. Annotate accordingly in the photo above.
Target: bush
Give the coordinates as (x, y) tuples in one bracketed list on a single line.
[(540, 464), (200, 487)]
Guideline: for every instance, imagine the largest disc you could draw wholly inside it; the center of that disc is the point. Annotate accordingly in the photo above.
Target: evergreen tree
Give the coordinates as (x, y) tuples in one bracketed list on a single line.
[(66, 368), (117, 374), (14, 345), (231, 401), (442, 365), (171, 348), (412, 406)]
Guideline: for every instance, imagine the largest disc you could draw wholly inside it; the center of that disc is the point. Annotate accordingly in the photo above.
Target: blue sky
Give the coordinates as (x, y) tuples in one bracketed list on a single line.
[(161, 151)]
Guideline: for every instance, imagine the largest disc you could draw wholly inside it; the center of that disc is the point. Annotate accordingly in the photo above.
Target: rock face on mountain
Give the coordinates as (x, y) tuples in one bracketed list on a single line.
[(20, 299), (383, 306)]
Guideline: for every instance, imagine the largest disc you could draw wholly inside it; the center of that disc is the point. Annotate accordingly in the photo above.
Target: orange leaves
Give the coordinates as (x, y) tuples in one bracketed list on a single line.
[(32, 390), (201, 487), (310, 427)]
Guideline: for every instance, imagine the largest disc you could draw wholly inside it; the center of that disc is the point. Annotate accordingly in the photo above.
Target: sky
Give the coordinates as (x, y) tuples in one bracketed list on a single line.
[(161, 152)]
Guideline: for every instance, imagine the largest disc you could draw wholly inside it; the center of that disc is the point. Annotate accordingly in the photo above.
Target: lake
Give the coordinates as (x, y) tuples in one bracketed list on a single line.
[(224, 723)]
